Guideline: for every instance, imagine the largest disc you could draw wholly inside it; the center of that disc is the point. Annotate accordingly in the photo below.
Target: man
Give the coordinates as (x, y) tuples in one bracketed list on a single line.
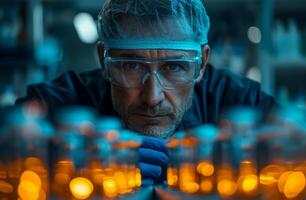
[(155, 76)]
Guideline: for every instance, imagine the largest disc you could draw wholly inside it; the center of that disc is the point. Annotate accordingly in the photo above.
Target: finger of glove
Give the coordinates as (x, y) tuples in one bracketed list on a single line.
[(149, 171), (154, 143), (162, 178), (153, 157)]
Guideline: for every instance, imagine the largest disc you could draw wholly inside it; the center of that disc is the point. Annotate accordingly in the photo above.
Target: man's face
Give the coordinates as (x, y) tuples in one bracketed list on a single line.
[(150, 109)]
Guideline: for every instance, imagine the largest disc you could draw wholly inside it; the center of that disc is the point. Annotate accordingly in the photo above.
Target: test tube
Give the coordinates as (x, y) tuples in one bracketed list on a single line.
[(75, 131), (174, 151), (206, 136), (183, 154), (107, 129), (125, 152), (244, 180), (121, 176)]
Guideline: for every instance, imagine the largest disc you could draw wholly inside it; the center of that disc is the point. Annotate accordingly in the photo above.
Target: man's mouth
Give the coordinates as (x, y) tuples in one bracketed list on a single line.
[(145, 115)]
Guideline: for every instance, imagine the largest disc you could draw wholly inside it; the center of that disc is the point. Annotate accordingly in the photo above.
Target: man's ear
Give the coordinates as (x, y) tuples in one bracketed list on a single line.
[(205, 56), (100, 49)]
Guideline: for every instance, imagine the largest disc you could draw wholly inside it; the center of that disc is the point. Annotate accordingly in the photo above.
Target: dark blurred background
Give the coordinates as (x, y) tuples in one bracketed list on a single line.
[(262, 39)]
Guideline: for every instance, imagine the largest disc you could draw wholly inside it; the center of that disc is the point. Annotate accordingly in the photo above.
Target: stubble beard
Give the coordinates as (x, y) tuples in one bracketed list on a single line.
[(153, 130)]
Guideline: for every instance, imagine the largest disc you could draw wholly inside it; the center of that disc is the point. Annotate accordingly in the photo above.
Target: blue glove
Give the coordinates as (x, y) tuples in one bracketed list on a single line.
[(153, 161)]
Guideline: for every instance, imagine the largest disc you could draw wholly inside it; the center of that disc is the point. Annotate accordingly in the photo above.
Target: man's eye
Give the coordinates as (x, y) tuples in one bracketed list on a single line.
[(131, 66), (173, 68)]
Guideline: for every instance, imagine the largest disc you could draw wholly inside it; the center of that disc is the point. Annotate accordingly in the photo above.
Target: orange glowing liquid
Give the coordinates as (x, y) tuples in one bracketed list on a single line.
[(172, 176), (226, 187), (187, 178), (81, 188), (205, 168), (206, 186)]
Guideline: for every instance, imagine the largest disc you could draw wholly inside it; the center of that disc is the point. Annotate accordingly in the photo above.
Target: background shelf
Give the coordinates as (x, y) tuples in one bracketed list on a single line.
[(228, 37)]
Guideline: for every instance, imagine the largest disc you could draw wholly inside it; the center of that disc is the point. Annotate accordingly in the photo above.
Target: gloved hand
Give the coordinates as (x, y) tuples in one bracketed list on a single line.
[(153, 161)]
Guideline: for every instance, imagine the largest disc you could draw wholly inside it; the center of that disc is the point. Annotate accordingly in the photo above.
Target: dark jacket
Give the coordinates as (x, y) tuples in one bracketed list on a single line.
[(218, 91)]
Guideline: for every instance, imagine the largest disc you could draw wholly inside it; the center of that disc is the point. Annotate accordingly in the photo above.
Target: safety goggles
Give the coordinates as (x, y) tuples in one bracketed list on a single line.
[(170, 73)]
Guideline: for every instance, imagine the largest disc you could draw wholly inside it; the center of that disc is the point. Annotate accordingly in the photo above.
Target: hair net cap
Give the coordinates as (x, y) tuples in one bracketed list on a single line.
[(153, 24)]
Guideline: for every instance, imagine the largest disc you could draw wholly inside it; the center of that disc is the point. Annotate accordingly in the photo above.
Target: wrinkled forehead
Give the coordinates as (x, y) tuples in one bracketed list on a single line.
[(152, 54)]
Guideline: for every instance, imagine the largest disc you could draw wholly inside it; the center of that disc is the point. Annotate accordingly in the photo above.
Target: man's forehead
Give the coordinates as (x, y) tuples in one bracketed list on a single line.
[(152, 53)]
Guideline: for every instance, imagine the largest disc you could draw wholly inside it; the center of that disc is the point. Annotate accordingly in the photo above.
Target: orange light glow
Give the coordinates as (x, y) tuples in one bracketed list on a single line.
[(189, 142), (206, 186), (81, 188), (249, 183), (128, 144), (5, 187), (294, 185), (27, 190), (187, 172), (65, 163), (31, 177), (190, 187), (138, 178), (282, 181), (269, 175), (110, 187), (173, 143), (187, 178), (267, 180), (247, 167), (226, 187), (133, 144), (205, 168), (246, 162), (122, 182), (273, 171), (172, 176), (131, 178)]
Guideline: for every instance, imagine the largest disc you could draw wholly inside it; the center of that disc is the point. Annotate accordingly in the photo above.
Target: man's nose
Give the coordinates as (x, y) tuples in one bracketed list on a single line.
[(152, 93)]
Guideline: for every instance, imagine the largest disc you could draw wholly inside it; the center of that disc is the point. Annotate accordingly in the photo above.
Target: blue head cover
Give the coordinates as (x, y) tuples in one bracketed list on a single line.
[(153, 24)]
